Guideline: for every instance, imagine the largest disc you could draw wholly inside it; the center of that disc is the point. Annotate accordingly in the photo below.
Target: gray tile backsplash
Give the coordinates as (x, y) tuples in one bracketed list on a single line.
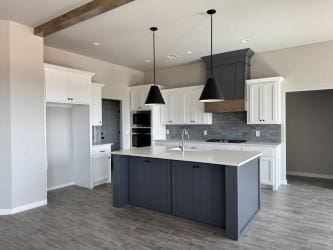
[(228, 126)]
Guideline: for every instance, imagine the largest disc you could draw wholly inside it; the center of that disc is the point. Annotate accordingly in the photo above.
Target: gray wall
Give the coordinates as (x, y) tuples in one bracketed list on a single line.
[(310, 132), (5, 165), (229, 126)]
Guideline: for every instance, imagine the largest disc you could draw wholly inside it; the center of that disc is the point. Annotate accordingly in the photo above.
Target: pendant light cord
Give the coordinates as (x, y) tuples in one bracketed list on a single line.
[(154, 57), (211, 46)]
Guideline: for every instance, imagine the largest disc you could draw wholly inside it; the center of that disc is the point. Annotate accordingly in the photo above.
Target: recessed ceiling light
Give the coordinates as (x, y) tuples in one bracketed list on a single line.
[(147, 60), (172, 56), (189, 52), (246, 41), (96, 43)]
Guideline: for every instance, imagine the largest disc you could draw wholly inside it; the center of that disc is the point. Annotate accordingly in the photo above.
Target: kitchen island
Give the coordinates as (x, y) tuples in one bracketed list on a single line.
[(217, 187)]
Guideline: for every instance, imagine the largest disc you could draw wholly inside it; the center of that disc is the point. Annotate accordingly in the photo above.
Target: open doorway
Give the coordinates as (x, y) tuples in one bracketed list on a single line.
[(110, 132), (309, 123)]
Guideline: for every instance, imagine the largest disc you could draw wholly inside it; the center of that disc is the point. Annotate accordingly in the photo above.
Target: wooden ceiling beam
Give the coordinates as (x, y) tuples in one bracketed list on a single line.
[(75, 16)]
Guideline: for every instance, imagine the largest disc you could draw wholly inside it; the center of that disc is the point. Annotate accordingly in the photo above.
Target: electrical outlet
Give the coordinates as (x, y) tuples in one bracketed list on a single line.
[(258, 133), (205, 132), (167, 131)]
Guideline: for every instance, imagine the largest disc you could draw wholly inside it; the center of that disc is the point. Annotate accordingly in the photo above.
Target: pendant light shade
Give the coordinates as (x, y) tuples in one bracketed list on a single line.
[(212, 91), (154, 96)]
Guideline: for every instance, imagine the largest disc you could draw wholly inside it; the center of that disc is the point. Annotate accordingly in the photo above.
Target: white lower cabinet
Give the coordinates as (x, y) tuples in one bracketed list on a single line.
[(101, 163), (266, 170)]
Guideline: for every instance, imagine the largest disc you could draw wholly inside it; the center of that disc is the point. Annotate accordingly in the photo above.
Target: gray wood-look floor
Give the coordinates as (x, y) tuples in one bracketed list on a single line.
[(298, 216)]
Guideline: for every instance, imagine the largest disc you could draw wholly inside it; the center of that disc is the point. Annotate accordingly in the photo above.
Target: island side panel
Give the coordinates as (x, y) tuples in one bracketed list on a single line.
[(120, 180), (242, 197)]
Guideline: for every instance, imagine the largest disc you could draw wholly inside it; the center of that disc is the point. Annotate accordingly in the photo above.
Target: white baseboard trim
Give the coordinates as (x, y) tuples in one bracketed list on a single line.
[(5, 212), (23, 208), (61, 186), (312, 175), (284, 182)]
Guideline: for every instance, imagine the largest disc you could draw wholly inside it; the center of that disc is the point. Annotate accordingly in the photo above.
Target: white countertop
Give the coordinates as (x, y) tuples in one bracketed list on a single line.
[(221, 157), (255, 144)]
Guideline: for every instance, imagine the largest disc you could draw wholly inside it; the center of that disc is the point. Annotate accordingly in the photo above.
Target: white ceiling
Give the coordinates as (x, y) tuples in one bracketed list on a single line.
[(125, 37)]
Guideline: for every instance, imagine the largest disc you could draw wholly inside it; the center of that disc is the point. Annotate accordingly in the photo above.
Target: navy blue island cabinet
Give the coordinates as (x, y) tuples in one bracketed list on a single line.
[(223, 196), (149, 182)]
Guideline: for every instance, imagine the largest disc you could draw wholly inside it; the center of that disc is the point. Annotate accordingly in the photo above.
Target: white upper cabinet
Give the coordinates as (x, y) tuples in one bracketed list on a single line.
[(79, 88), (194, 109), (65, 85), (138, 98), (183, 107), (56, 85), (96, 104), (264, 100)]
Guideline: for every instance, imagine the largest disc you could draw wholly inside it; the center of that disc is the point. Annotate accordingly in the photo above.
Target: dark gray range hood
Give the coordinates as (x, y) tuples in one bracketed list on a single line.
[(231, 70)]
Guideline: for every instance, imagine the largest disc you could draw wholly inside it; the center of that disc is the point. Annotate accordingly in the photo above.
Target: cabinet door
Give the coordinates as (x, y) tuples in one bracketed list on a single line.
[(79, 88), (56, 85), (159, 185), (166, 110), (269, 93), (96, 105), (188, 108), (102, 167), (254, 99), (183, 189), (209, 194), (266, 170), (177, 108), (136, 100), (198, 110), (137, 174)]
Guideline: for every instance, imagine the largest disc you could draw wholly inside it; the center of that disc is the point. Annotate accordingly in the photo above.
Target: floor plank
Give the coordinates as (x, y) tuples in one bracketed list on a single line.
[(298, 216)]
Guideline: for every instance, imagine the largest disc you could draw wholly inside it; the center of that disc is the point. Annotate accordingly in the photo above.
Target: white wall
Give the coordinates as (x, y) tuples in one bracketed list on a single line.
[(116, 79), (27, 116), (5, 165), (179, 76), (59, 146), (26, 138)]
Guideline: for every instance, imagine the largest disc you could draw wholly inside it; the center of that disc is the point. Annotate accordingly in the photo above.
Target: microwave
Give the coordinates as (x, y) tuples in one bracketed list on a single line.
[(141, 119)]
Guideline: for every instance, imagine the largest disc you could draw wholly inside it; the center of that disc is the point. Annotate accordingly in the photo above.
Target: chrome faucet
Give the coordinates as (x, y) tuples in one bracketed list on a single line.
[(184, 133)]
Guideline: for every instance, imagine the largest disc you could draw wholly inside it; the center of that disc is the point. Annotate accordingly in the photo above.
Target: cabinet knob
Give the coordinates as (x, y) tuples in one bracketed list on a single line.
[(69, 99)]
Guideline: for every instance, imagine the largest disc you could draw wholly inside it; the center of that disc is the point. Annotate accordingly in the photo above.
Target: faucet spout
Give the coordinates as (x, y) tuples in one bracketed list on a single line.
[(187, 134)]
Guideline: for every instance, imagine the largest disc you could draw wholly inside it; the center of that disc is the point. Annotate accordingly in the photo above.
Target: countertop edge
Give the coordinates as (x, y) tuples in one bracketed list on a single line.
[(168, 157)]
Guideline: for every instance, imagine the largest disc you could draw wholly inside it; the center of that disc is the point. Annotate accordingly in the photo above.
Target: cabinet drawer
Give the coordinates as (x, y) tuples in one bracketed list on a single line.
[(101, 151)]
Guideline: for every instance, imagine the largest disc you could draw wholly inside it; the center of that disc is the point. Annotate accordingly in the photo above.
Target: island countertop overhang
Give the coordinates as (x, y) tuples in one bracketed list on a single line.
[(233, 158)]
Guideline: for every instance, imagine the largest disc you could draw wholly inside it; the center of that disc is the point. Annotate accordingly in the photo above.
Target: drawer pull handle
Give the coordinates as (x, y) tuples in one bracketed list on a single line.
[(102, 151)]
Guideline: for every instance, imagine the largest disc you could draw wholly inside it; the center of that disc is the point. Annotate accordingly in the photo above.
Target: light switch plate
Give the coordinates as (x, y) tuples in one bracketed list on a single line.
[(258, 133), (167, 131), (205, 132)]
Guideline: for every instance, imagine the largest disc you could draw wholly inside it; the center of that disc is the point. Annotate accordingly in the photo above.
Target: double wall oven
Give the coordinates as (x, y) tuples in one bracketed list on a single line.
[(141, 129)]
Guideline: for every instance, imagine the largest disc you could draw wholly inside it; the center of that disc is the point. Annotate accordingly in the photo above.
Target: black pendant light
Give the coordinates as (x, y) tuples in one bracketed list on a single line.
[(154, 95), (212, 91)]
